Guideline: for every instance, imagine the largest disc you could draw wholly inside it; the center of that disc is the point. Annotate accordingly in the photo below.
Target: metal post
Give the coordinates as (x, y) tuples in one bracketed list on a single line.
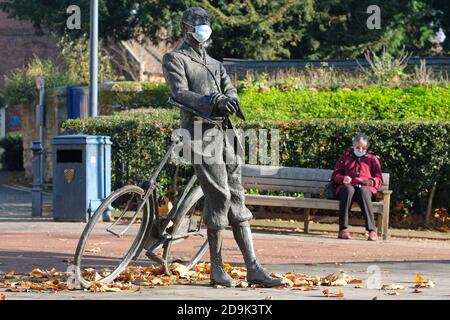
[(42, 124), (2, 126), (38, 153), (93, 80), (36, 191), (3, 122), (93, 86)]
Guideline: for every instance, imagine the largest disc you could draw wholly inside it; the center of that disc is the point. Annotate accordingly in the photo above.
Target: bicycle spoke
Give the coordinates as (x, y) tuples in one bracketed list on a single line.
[(121, 215), (133, 219), (197, 258)]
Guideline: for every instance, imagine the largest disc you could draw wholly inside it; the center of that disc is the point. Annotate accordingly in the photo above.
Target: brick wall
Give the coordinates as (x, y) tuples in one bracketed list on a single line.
[(18, 45)]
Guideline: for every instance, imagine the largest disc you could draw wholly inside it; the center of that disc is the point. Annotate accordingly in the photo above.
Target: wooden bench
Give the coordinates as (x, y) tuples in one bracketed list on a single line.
[(310, 182)]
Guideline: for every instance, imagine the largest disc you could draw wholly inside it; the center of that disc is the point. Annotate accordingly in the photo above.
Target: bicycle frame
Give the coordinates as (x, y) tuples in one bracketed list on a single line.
[(161, 228), (150, 190)]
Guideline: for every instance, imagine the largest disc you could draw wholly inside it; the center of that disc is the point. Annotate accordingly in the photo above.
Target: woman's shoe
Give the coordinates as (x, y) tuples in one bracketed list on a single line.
[(344, 234), (373, 236)]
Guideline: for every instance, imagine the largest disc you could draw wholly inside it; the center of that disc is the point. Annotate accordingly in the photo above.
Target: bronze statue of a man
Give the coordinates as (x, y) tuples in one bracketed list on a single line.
[(201, 83)]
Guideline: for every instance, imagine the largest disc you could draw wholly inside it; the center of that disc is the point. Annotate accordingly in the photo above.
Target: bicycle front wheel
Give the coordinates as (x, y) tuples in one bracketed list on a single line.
[(106, 248), (189, 240)]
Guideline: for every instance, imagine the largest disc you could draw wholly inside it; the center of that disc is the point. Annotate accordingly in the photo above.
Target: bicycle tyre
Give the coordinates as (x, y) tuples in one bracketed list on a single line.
[(146, 221)]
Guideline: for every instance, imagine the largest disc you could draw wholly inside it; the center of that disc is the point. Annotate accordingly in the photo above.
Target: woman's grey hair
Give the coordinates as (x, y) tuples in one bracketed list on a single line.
[(361, 138)]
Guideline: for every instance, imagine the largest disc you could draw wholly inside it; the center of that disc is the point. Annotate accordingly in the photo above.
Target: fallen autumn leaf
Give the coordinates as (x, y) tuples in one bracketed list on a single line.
[(392, 286)]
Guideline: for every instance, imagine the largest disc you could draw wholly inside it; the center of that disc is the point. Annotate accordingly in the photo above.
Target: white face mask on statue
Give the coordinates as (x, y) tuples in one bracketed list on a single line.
[(201, 33)]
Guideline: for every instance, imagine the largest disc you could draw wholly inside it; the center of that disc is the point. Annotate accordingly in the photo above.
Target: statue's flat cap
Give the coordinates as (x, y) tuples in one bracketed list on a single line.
[(192, 15)]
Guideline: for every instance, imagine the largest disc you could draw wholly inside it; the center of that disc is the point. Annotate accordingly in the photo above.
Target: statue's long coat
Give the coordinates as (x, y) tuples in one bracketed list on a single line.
[(198, 81)]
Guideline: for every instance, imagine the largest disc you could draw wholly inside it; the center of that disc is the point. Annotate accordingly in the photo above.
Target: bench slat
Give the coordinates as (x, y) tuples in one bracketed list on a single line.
[(286, 172), (290, 179), (285, 182), (282, 188), (281, 201)]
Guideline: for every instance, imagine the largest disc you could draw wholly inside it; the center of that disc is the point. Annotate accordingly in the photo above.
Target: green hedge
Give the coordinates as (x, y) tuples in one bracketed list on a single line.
[(414, 153), (12, 157), (132, 95), (371, 103)]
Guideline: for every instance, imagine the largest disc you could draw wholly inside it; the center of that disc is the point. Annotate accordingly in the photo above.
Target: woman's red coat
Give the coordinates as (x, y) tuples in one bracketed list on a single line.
[(367, 167)]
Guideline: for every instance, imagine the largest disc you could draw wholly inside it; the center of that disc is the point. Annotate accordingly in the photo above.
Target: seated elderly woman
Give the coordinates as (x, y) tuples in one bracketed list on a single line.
[(358, 177)]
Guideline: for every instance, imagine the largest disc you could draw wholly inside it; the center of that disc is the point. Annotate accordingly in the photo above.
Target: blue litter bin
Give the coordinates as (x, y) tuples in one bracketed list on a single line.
[(77, 102), (81, 175)]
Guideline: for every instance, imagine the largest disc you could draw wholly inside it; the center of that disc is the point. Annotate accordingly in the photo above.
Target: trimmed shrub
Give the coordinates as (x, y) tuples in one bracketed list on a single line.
[(12, 157), (131, 95), (414, 153), (370, 103)]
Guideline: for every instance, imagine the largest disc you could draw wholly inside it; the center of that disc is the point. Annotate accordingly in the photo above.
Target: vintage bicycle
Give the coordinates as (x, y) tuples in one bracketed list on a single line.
[(138, 227)]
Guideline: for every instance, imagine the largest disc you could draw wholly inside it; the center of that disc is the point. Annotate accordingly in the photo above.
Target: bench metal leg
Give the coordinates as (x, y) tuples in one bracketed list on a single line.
[(385, 220), (307, 214)]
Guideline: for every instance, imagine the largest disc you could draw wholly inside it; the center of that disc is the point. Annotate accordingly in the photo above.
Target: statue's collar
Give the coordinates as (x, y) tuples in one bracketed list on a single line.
[(192, 52)]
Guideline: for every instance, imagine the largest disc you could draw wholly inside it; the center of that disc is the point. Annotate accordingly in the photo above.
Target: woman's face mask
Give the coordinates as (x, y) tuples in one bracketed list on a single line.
[(201, 33), (359, 151), (359, 154)]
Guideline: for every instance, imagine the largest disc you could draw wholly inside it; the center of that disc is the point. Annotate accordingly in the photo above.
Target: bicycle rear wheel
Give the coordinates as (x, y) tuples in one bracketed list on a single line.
[(189, 240), (105, 249)]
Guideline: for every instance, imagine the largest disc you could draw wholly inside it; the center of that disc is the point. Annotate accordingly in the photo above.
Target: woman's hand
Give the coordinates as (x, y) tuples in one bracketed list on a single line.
[(357, 180), (347, 180)]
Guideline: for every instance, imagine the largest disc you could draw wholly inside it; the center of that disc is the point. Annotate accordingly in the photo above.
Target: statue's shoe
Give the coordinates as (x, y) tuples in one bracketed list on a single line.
[(220, 277), (259, 276)]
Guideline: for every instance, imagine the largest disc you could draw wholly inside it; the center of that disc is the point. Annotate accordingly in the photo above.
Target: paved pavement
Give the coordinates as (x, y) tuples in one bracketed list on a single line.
[(15, 200), (44, 244), (27, 243), (401, 273)]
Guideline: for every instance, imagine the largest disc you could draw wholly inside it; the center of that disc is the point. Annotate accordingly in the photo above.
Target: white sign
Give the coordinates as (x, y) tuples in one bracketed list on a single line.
[(74, 21), (374, 20)]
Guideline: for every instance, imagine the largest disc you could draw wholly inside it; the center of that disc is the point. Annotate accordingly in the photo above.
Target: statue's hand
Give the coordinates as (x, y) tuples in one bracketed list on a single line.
[(238, 108), (227, 106)]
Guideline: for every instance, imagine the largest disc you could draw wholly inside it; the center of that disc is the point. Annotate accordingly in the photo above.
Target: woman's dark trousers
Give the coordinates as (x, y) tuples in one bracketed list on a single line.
[(363, 197)]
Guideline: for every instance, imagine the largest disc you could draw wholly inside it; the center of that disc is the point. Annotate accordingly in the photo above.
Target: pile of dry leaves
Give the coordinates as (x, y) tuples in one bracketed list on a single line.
[(36, 280), (135, 277), (441, 220)]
